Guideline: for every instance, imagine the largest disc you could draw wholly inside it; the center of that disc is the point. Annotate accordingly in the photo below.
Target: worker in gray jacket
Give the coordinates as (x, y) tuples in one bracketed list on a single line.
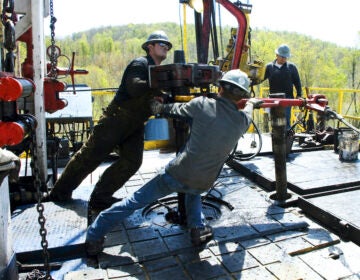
[(216, 126)]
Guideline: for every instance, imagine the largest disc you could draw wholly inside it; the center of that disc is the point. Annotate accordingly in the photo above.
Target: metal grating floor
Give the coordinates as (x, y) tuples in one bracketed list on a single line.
[(307, 172)]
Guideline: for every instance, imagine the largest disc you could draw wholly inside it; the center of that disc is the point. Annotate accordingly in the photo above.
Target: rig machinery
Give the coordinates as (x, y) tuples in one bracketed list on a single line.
[(30, 90), (26, 96)]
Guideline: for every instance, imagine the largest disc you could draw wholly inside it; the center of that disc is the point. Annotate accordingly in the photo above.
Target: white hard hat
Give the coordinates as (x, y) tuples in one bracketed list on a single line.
[(238, 78)]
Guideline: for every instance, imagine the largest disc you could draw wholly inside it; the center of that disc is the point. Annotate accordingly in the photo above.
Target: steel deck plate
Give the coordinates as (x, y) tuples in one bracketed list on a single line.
[(307, 172), (65, 225), (243, 245), (337, 211)]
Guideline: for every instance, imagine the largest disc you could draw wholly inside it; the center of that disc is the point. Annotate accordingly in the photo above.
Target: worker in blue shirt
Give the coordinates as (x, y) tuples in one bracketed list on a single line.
[(283, 76)]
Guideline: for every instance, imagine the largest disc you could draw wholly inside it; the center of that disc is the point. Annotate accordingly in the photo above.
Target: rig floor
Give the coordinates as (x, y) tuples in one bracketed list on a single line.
[(314, 236)]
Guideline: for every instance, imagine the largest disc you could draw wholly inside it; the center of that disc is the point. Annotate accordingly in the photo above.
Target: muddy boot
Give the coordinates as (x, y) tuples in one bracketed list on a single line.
[(100, 203), (200, 235), (59, 197), (94, 248), (96, 205)]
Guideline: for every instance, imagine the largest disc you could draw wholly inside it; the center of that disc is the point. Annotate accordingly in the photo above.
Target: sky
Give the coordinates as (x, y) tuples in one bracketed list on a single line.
[(328, 20)]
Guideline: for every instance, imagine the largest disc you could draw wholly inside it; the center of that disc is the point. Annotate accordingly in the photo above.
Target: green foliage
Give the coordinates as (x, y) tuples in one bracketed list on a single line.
[(320, 64), (106, 51)]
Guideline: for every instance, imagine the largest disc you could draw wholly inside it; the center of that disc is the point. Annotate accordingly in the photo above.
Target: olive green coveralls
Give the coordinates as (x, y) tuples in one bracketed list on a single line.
[(121, 127)]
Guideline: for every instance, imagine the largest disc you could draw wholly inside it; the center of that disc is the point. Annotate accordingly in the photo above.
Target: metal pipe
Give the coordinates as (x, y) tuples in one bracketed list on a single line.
[(37, 20), (241, 31), (316, 102), (278, 123)]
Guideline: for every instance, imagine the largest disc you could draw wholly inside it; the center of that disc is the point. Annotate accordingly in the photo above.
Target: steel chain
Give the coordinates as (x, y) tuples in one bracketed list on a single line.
[(8, 8), (8, 18), (53, 56), (40, 209), (35, 275)]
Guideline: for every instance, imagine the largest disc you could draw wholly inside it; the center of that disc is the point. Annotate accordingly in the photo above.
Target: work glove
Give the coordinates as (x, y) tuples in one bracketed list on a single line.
[(303, 101), (9, 165), (156, 107), (255, 102)]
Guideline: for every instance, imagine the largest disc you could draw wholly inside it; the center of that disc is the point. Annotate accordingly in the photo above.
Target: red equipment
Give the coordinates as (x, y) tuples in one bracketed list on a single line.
[(241, 32), (12, 133), (68, 71), (52, 87), (14, 127), (316, 102), (52, 100), (13, 88)]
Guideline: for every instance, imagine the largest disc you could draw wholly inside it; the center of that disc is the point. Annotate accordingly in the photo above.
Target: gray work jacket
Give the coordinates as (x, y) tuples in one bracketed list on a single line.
[(216, 126)]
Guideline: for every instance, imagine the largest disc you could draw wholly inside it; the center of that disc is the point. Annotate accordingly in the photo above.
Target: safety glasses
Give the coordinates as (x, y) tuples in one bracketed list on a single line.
[(163, 45)]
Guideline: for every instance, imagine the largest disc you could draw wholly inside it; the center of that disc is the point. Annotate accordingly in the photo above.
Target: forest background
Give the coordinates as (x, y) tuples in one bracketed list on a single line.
[(105, 52)]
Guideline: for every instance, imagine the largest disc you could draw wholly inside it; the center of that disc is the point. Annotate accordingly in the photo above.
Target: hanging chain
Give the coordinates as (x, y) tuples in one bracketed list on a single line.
[(35, 275), (53, 55), (9, 18), (40, 208)]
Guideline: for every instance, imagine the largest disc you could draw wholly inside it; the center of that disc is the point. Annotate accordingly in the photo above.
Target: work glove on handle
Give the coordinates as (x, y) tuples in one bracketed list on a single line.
[(303, 100), (156, 107), (255, 102)]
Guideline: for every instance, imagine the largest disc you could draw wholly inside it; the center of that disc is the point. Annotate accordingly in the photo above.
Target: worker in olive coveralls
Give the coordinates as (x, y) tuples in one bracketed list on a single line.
[(121, 126)]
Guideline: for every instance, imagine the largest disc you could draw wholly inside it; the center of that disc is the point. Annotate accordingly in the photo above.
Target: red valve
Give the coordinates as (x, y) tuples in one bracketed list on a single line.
[(69, 71), (53, 102), (11, 133), (10, 89)]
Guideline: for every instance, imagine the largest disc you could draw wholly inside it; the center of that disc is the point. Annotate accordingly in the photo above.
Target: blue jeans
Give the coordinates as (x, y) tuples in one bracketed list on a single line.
[(288, 117), (158, 187)]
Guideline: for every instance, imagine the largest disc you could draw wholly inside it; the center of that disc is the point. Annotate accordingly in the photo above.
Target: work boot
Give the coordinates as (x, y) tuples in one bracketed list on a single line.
[(200, 235), (99, 204), (92, 215), (94, 248), (59, 197), (96, 205)]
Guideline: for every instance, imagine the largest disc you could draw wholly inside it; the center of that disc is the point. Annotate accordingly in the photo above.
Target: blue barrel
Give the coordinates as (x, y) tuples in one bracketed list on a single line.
[(157, 129)]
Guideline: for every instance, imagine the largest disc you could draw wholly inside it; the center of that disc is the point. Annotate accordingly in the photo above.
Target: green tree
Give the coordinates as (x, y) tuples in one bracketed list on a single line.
[(109, 49)]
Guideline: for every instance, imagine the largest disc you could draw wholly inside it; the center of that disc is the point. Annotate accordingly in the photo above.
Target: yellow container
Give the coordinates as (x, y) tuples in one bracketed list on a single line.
[(155, 144)]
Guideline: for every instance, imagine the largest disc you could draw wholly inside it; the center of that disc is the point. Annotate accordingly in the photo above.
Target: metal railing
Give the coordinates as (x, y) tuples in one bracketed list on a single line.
[(344, 101)]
